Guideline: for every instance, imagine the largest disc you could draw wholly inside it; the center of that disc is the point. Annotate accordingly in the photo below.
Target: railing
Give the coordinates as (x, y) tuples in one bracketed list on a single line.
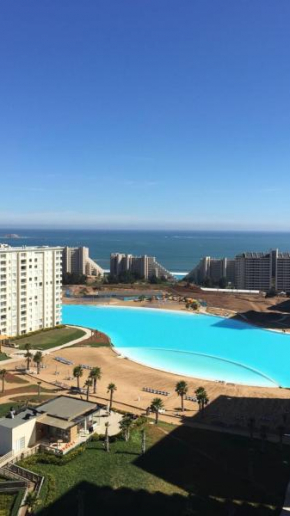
[(12, 485)]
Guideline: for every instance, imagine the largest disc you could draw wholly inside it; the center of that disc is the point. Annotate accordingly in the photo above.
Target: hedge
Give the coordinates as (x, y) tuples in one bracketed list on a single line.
[(17, 502)]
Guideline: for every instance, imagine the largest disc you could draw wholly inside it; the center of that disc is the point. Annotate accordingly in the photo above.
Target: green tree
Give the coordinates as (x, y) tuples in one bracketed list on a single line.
[(28, 357), (3, 374), (181, 389), (111, 389), (202, 398), (78, 373), (37, 359), (156, 406), (95, 375), (126, 425), (88, 384)]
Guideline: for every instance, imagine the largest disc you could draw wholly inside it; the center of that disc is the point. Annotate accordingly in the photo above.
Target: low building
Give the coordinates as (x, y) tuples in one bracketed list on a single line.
[(58, 423), (145, 266), (77, 260)]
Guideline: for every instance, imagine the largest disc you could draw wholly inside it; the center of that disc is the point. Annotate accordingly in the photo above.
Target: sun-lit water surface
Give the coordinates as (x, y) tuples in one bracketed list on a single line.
[(200, 346)]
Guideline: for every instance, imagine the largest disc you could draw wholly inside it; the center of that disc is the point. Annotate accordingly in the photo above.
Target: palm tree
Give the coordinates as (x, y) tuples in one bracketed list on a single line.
[(156, 406), (126, 425), (31, 501), (111, 389), (37, 359), (3, 373), (107, 438), (143, 441), (202, 398), (78, 373), (28, 357), (88, 384), (38, 388), (181, 389), (95, 374), (251, 426)]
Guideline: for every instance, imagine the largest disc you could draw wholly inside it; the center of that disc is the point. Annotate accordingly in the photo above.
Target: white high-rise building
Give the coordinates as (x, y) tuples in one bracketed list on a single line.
[(30, 288)]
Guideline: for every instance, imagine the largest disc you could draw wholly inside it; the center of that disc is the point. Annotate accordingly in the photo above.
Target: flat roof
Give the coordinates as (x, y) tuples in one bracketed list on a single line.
[(25, 248), (67, 408), (55, 422), (18, 419)]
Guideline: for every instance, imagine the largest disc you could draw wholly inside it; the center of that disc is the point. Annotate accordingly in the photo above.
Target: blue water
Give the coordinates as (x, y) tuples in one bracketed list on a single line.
[(200, 346), (178, 251)]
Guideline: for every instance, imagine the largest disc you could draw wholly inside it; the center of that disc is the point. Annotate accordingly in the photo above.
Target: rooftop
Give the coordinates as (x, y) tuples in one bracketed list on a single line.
[(65, 407), (18, 419)]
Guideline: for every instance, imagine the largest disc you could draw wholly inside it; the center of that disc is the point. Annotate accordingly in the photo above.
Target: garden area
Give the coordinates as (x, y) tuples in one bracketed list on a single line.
[(48, 339), (183, 471)]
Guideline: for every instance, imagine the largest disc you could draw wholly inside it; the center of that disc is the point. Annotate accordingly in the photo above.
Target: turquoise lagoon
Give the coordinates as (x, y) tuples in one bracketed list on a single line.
[(200, 346)]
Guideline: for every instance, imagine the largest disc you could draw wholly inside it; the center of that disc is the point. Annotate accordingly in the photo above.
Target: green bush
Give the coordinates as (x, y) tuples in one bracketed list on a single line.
[(50, 458), (94, 438), (51, 489)]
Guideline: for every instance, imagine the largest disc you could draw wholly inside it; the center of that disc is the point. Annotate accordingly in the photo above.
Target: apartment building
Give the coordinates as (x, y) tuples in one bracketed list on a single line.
[(254, 271), (247, 271), (30, 288), (77, 260), (146, 266), (214, 269)]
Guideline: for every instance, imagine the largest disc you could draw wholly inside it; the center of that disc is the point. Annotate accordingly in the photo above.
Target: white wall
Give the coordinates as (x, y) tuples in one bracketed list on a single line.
[(27, 430), (5, 440)]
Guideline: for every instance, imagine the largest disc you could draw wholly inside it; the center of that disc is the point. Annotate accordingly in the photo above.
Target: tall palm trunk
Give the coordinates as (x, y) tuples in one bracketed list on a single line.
[(156, 416), (3, 384), (78, 382), (38, 367), (95, 385), (88, 392), (182, 402), (111, 400)]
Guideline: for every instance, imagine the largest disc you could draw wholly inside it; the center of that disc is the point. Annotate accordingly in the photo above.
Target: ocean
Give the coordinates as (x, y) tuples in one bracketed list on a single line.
[(178, 251)]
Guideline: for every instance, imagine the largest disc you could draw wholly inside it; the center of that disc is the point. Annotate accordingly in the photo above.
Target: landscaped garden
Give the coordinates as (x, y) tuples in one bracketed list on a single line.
[(7, 501), (50, 338), (184, 471)]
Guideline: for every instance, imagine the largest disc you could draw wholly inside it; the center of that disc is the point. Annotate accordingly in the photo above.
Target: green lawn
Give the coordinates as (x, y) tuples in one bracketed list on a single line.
[(6, 503), (183, 472), (5, 407), (3, 356), (50, 339)]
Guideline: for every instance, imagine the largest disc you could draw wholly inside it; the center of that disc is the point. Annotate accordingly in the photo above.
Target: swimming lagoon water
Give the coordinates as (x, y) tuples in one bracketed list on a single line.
[(200, 346)]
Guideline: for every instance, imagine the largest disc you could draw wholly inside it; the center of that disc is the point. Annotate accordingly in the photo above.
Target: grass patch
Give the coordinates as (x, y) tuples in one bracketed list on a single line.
[(3, 356), (6, 503), (33, 400), (183, 472), (51, 338)]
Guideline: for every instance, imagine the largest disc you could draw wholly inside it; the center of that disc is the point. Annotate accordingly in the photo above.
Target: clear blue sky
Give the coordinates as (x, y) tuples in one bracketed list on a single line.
[(145, 113)]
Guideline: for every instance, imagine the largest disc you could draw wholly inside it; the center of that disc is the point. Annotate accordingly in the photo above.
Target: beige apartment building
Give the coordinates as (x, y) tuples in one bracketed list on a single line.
[(77, 260), (146, 266), (30, 289)]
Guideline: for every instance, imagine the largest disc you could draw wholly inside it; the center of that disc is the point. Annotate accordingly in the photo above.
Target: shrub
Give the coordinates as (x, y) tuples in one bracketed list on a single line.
[(51, 489)]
